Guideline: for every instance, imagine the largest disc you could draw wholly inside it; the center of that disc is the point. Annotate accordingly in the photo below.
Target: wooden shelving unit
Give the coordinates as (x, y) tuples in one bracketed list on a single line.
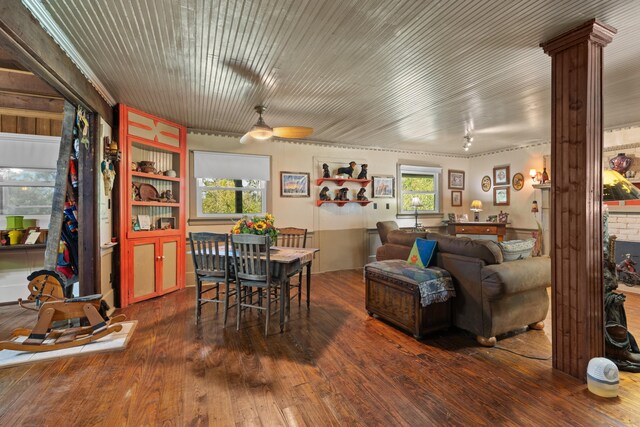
[(152, 261), (343, 202), (340, 181)]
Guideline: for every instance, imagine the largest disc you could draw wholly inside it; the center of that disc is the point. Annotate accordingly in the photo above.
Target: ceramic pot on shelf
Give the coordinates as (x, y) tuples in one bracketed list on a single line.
[(620, 163)]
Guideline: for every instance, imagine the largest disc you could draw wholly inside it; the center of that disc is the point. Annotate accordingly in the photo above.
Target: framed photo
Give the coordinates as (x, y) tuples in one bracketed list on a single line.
[(166, 223), (383, 186), (486, 183), (518, 181), (456, 180), (456, 198), (294, 184), (501, 196), (452, 217), (501, 175), (144, 222)]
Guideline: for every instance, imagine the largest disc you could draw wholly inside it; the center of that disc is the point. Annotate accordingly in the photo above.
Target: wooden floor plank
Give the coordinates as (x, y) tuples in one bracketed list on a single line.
[(333, 365)]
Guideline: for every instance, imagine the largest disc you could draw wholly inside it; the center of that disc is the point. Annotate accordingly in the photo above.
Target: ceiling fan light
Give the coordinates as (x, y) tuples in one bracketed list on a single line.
[(261, 132)]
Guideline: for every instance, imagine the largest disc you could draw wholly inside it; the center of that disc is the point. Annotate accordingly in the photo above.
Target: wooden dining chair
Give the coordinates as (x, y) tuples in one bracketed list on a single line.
[(211, 265), (251, 255), (293, 237)]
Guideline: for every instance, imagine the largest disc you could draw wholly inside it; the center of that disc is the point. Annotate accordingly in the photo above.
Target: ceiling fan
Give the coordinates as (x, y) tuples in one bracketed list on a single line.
[(261, 131)]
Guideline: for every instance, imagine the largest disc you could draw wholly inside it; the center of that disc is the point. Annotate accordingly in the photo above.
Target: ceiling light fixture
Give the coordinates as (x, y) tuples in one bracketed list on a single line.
[(261, 130), (468, 139)]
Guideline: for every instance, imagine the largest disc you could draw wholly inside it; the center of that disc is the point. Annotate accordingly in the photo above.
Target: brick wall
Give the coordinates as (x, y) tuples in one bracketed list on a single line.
[(626, 226)]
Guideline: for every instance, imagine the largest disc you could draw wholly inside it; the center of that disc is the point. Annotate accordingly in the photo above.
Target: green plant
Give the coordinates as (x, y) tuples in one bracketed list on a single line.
[(261, 225)]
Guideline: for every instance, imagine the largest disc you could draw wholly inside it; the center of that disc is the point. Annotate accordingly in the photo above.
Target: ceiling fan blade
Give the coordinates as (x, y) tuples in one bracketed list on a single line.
[(294, 132), (246, 139)]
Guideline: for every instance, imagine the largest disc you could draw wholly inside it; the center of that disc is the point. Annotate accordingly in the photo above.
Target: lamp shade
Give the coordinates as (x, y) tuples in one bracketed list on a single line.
[(416, 202), (533, 173), (476, 205)]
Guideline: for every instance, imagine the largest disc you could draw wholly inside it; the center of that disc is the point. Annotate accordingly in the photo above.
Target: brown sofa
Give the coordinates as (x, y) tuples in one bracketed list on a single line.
[(492, 296)]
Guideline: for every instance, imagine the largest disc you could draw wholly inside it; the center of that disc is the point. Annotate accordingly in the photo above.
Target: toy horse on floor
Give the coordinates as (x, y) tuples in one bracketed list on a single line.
[(54, 307)]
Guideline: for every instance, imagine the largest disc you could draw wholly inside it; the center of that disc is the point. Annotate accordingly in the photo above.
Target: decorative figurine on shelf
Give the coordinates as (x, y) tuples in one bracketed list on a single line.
[(325, 171), (324, 194), (347, 170), (342, 194), (503, 217), (135, 192), (363, 171), (360, 196), (545, 176), (620, 163), (167, 197)]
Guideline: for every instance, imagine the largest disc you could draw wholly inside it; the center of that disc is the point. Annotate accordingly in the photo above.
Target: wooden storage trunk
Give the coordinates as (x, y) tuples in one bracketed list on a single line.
[(398, 302)]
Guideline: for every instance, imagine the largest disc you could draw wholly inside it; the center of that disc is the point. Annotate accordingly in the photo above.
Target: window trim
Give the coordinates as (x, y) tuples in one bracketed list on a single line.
[(408, 167)]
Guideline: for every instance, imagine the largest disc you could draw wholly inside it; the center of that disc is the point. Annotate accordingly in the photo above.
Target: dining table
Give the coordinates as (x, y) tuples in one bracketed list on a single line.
[(286, 261)]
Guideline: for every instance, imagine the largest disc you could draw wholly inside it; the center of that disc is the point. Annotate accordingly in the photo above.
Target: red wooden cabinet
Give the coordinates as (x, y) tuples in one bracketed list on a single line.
[(152, 206)]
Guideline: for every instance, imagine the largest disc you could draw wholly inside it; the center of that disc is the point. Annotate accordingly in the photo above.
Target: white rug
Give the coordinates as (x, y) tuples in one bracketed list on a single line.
[(112, 342)]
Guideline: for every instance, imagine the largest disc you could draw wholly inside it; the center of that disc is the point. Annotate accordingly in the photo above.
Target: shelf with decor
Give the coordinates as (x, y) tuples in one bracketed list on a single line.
[(152, 206), (341, 181), (343, 202), (155, 176)]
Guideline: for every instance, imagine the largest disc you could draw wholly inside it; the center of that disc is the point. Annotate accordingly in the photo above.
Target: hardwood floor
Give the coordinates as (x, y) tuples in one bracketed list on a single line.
[(334, 365)]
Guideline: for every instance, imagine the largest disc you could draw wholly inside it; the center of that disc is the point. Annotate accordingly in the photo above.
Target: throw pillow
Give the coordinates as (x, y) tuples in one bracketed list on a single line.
[(421, 252), (517, 249)]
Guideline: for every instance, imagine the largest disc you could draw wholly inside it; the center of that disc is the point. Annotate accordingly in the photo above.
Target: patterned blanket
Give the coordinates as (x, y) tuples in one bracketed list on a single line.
[(435, 284)]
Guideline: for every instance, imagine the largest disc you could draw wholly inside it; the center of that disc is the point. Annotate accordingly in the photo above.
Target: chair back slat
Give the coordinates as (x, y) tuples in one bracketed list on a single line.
[(252, 256), (292, 237), (209, 254)]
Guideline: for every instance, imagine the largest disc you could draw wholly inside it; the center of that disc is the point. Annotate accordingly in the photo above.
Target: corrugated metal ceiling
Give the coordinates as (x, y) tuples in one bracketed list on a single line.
[(408, 75)]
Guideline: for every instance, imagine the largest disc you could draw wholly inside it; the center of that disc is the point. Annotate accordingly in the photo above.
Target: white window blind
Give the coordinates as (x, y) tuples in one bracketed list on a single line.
[(208, 164), (28, 151)]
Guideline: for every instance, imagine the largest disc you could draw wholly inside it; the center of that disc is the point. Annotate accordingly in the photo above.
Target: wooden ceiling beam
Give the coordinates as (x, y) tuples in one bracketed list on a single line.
[(26, 83), (25, 102), (23, 37)]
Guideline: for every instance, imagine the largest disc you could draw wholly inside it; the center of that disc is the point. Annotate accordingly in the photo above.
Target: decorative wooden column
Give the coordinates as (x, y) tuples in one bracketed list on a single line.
[(576, 195)]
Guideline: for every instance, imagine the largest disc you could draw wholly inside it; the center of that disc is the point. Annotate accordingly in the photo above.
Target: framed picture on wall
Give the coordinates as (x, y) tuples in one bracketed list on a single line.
[(501, 196), (456, 198), (456, 180), (383, 186), (501, 175), (294, 184)]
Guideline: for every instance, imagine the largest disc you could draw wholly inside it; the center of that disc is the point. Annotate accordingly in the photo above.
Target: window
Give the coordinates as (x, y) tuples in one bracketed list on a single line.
[(422, 182), (27, 176), (229, 185)]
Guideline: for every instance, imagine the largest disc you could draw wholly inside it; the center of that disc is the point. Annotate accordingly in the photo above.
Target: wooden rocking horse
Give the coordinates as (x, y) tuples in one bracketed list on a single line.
[(46, 288)]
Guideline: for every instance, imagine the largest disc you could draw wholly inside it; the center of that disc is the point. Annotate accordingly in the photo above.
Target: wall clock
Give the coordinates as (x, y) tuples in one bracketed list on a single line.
[(486, 183)]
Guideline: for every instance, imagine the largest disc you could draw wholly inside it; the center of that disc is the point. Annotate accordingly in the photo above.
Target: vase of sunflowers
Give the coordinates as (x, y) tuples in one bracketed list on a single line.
[(261, 225)]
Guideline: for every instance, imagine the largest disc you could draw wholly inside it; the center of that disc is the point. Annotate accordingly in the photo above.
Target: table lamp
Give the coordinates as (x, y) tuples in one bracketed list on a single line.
[(476, 207), (416, 203)]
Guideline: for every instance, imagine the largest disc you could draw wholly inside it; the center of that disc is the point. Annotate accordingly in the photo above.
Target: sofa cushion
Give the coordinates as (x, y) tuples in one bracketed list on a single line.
[(422, 252), (384, 227), (515, 276), (486, 250), (406, 238), (516, 249)]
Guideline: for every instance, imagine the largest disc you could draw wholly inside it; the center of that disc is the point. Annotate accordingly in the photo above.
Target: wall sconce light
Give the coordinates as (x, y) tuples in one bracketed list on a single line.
[(476, 207), (533, 173)]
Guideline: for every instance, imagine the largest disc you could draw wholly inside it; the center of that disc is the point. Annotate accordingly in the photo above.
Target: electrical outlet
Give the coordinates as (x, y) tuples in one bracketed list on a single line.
[(375, 206), (387, 205)]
